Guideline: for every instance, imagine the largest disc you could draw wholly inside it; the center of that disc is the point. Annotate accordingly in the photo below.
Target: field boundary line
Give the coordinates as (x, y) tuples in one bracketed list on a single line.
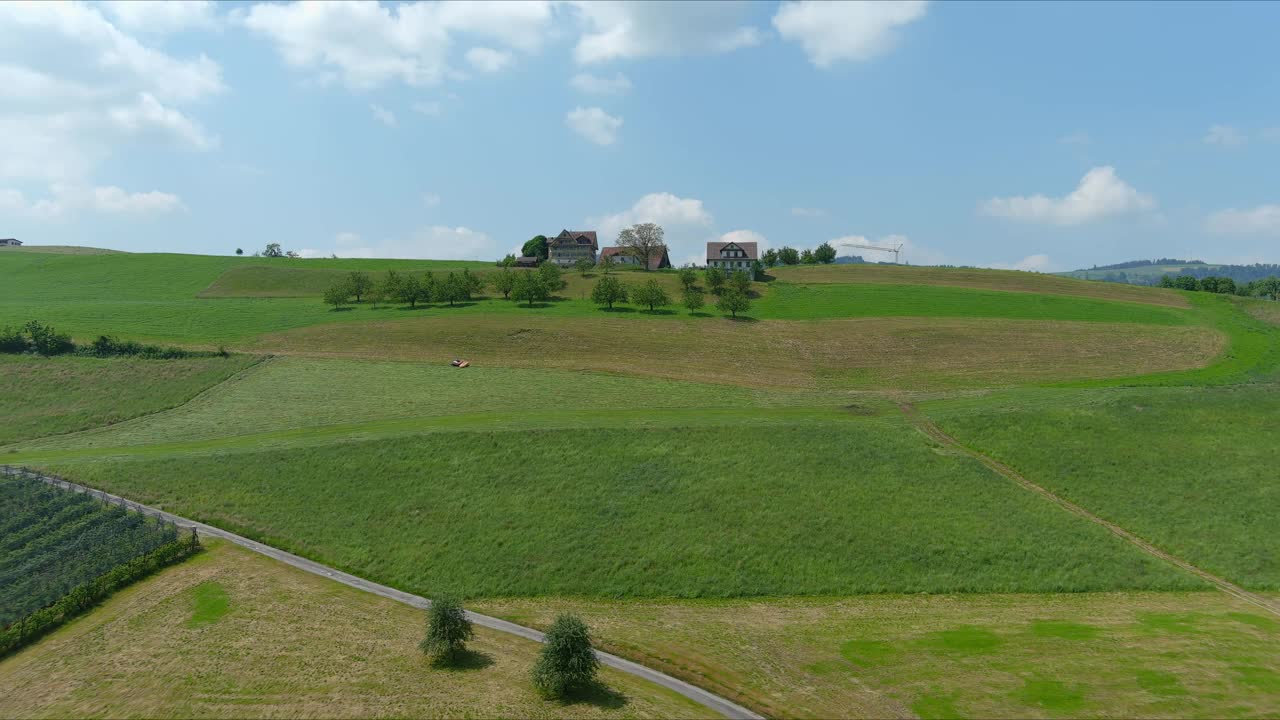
[(929, 428), (722, 705)]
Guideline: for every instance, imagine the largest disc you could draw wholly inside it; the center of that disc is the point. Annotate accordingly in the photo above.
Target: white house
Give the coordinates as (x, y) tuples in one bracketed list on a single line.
[(730, 256), (10, 242)]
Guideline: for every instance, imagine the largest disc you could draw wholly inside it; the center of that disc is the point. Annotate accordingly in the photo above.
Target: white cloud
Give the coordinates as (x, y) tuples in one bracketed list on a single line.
[(385, 116), (162, 16), (1262, 220), (430, 199), (67, 199), (910, 252), (1100, 194), (74, 88), (437, 242), (808, 212), (832, 32), (685, 221), (1226, 136), (739, 236), (1078, 137), (368, 44), (431, 108), (594, 124), (1030, 263), (622, 30), (600, 85), (488, 60)]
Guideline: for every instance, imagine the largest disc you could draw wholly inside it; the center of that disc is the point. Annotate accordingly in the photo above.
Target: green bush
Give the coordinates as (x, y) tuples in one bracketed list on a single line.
[(448, 630), (567, 661), (12, 340), (47, 341)]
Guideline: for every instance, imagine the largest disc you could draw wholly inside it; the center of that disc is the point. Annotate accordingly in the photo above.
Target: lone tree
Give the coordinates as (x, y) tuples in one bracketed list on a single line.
[(567, 661), (529, 286), (583, 265), (733, 301), (715, 280), (551, 277), (448, 631), (824, 254), (642, 241), (607, 264), (504, 281), (338, 295), (359, 283), (651, 294), (740, 281), (536, 247), (273, 250), (693, 299), (239, 251), (688, 277), (607, 291)]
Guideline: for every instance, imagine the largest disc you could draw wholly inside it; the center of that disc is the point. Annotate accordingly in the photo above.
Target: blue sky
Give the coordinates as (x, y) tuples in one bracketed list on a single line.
[(1044, 136)]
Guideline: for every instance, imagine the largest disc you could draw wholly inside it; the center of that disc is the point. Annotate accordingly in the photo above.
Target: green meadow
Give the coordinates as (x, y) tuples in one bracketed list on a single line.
[(739, 502)]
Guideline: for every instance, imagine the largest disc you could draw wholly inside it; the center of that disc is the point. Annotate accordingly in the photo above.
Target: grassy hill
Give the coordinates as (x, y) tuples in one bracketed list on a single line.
[(650, 456)]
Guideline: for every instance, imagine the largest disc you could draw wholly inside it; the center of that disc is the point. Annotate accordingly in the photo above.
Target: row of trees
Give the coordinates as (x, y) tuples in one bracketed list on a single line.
[(824, 254), (456, 287), (1266, 287), (567, 662), (609, 290), (42, 339)]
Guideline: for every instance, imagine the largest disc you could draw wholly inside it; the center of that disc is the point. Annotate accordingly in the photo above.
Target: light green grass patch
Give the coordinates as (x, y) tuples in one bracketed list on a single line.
[(1053, 695), (1064, 629), (1156, 682), (209, 603), (968, 639)]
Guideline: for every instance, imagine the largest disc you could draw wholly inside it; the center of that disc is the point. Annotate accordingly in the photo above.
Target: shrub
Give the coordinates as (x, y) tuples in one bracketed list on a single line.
[(12, 340), (448, 630), (567, 661), (47, 341)]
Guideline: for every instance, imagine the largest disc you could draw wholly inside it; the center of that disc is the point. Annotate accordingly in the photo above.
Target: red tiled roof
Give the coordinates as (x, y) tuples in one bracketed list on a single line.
[(657, 261), (576, 237)]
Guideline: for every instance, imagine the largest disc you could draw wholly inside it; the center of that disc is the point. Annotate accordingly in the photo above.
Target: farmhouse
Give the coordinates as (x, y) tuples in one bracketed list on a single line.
[(527, 261), (572, 245), (731, 256), (10, 242), (657, 260)]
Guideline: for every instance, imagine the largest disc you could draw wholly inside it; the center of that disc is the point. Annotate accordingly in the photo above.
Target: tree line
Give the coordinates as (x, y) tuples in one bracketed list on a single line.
[(1268, 287), (42, 339)]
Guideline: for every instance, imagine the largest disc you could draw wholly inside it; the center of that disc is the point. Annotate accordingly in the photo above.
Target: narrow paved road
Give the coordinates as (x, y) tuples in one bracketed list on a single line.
[(721, 705), (927, 426)]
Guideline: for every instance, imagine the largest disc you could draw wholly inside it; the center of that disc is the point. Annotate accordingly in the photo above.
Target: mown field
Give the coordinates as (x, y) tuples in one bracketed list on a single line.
[(1149, 655), (49, 396), (230, 634)]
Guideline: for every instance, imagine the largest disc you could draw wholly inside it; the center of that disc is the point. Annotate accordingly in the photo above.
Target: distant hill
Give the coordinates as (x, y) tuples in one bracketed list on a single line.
[(1149, 272)]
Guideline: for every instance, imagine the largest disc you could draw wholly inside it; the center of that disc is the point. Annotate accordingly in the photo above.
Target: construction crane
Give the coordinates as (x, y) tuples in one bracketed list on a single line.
[(895, 250)]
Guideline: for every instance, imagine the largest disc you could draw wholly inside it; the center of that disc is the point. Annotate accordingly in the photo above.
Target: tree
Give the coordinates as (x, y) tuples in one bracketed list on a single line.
[(239, 251), (607, 291), (733, 302), (771, 257), (642, 242), (607, 264), (508, 261), (693, 299), (757, 270), (825, 254), (504, 281), (715, 280), (1166, 281), (688, 277), (452, 289), (806, 257), (651, 294), (359, 283), (1186, 282), (338, 295), (529, 286), (47, 341), (391, 285), (412, 290), (273, 250), (536, 247), (1268, 287), (740, 281), (551, 277), (583, 265), (474, 282), (567, 661), (788, 255), (448, 630)]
